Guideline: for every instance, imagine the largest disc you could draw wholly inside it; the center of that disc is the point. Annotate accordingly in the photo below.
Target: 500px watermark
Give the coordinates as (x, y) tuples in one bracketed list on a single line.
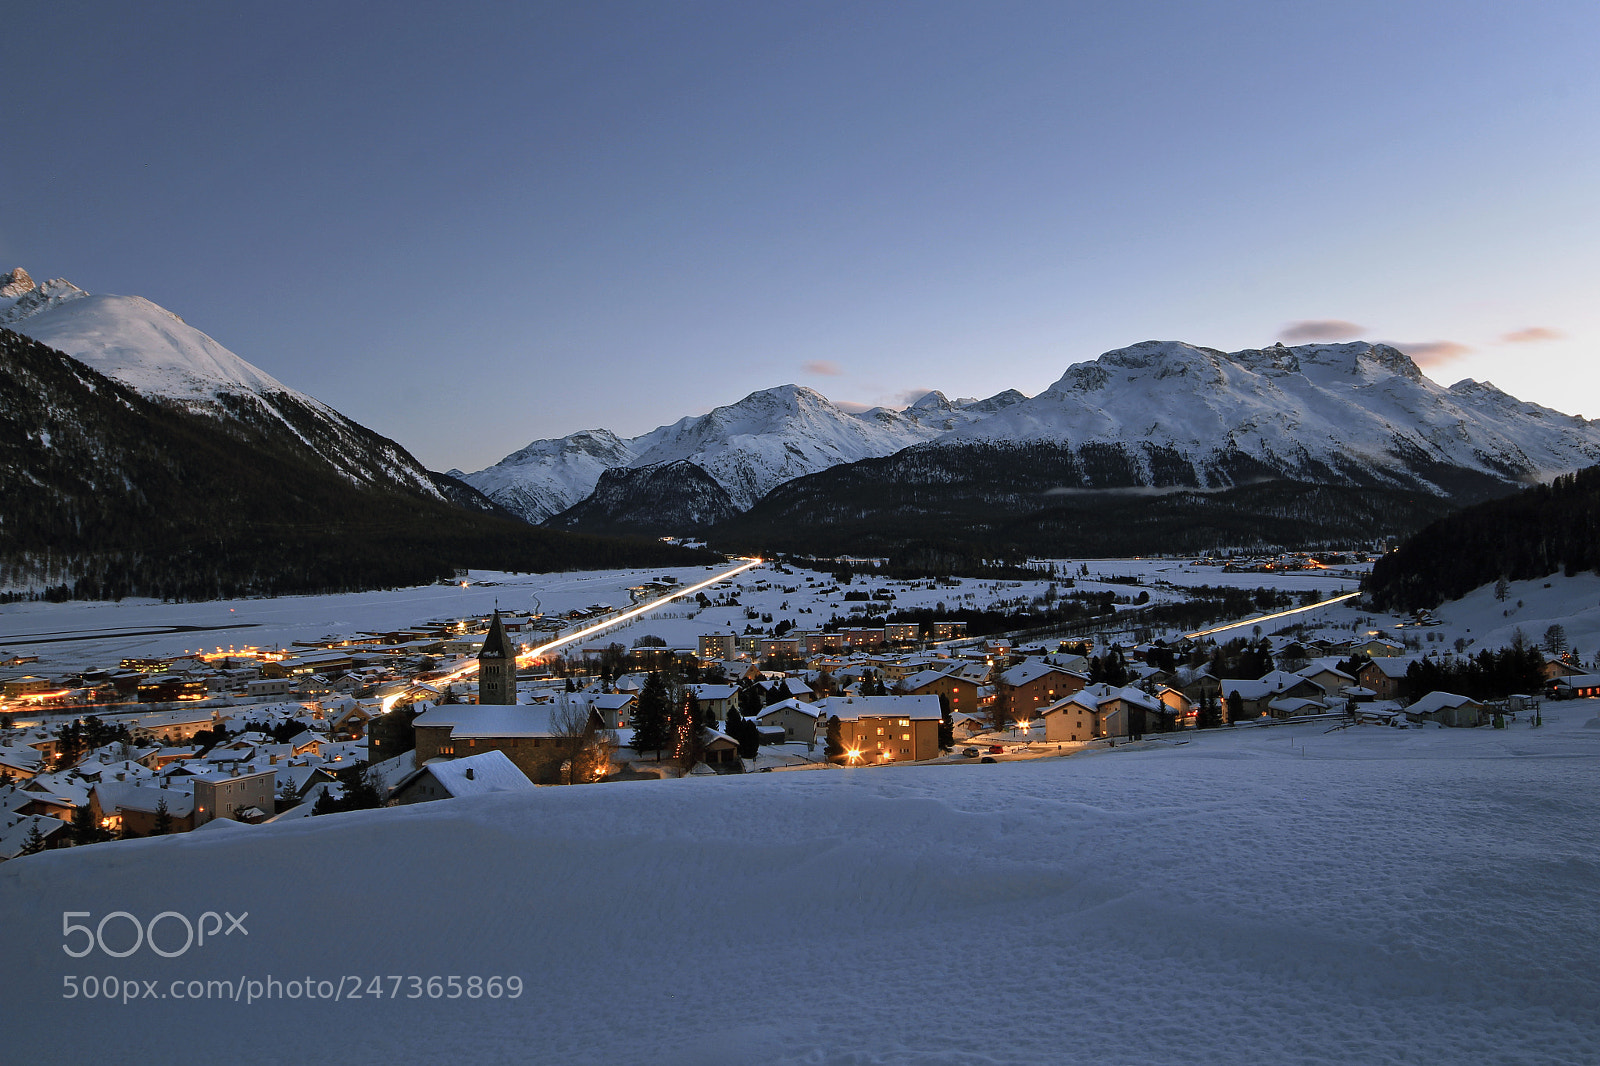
[(143, 934), (251, 990)]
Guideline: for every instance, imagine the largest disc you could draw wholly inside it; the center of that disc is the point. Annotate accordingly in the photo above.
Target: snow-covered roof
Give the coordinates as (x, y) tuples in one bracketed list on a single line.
[(474, 775), (125, 795), (1031, 670), (1438, 701), (854, 708)]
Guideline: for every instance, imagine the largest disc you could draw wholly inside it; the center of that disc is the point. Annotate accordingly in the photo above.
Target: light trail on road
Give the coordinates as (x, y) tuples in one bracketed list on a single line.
[(599, 627), (1270, 617)]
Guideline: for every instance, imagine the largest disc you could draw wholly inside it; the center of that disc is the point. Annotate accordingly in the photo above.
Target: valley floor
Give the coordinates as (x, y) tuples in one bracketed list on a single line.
[(1278, 895)]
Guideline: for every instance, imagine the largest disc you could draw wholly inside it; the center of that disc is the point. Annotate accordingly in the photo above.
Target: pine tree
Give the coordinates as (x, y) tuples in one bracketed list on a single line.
[(33, 843), (947, 725), (834, 749), (650, 716), (84, 828), (163, 823)]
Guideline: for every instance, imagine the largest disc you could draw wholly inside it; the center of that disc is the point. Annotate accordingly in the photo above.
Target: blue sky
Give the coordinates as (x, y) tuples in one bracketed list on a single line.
[(469, 226)]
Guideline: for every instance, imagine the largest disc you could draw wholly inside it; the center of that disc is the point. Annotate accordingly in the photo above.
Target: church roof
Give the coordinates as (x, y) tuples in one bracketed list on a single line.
[(497, 645)]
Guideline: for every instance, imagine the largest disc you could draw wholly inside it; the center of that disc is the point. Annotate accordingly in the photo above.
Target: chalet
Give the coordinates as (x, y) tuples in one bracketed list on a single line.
[(133, 808), (523, 733), (1378, 648), (1106, 711), (1330, 679), (1556, 667), (1023, 691), (472, 775), (720, 750), (615, 708), (880, 729), (1256, 697), (797, 719), (16, 829), (1446, 708), (718, 699), (1385, 676), (960, 691), (1575, 686)]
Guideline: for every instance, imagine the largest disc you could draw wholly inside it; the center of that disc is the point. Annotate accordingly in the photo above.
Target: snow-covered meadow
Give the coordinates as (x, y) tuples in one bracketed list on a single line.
[(1254, 895), (102, 633)]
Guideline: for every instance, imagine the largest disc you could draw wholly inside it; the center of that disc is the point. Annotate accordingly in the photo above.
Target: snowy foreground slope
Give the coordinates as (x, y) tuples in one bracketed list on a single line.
[(1253, 896)]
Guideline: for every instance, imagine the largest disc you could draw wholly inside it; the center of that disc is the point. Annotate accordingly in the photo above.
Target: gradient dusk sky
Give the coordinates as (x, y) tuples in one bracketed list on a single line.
[(469, 226)]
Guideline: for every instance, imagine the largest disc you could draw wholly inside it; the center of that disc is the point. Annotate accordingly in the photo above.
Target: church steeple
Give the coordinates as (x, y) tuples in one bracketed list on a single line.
[(497, 665)]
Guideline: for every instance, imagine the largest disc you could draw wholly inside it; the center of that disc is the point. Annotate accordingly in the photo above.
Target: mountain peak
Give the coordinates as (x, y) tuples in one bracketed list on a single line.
[(21, 297), (15, 284)]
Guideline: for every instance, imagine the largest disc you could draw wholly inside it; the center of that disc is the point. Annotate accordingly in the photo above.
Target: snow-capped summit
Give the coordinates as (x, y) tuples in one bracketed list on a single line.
[(159, 355), (1301, 411), (748, 447), (770, 437)]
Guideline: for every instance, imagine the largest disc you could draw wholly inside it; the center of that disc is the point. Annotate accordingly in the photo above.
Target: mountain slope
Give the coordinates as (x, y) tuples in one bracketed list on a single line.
[(104, 493), (1326, 412), (1168, 447), (748, 447), (157, 354), (1532, 534), (671, 497)]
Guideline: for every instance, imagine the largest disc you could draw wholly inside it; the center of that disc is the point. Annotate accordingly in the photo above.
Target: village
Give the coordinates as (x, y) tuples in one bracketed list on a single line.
[(512, 700)]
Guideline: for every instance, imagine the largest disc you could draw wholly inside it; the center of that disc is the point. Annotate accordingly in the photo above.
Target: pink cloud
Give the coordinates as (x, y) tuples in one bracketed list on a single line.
[(1532, 333), (1321, 329), (852, 407), (825, 367), (1433, 353)]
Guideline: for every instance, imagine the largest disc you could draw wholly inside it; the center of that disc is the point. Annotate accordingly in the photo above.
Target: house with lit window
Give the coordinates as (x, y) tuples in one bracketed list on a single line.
[(962, 692), (881, 729), (1023, 691)]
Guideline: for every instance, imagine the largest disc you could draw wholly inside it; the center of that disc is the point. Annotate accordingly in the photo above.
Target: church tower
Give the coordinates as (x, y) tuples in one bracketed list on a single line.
[(497, 666)]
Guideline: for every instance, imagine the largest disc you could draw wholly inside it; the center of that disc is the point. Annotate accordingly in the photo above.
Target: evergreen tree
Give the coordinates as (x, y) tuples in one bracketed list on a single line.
[(163, 823), (34, 842), (1209, 715), (85, 830), (1235, 706), (650, 716), (834, 749), (947, 725), (750, 701)]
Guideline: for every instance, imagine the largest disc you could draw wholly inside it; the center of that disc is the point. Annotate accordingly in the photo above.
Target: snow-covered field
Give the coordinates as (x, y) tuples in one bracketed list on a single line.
[(104, 633), (1252, 896)]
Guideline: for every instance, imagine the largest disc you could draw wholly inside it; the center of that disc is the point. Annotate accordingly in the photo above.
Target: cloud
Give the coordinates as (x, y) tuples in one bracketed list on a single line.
[(825, 367), (1532, 333), (907, 397), (853, 407), (1433, 353), (1321, 329)]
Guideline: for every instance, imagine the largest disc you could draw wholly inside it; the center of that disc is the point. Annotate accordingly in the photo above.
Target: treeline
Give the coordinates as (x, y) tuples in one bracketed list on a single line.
[(105, 494), (1489, 675), (1538, 531), (948, 508)]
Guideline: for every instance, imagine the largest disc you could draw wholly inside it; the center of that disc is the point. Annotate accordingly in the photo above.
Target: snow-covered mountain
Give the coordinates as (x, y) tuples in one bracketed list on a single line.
[(157, 354), (1165, 446), (1186, 415), (765, 439)]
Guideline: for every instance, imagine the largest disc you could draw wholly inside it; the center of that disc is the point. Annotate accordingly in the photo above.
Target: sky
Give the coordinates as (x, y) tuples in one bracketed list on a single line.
[(470, 226)]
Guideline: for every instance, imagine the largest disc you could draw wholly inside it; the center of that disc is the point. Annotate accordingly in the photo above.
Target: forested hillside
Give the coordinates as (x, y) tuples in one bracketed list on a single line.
[(1536, 532), (104, 493)]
